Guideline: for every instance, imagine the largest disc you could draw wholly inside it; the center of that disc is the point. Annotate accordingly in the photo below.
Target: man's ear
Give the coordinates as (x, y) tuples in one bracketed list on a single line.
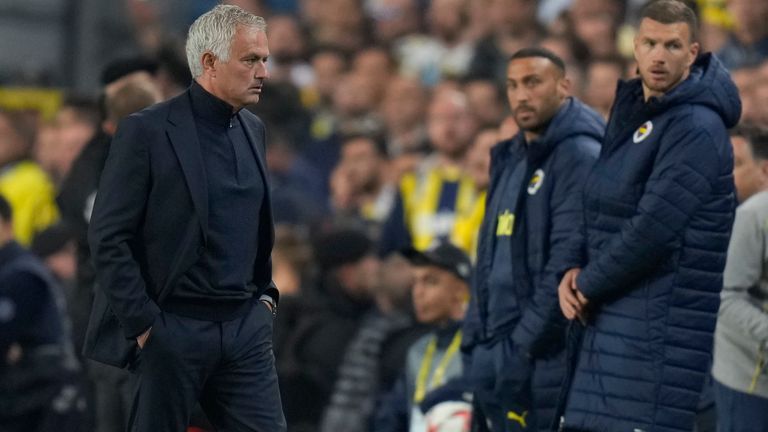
[(208, 61), (564, 85), (694, 53)]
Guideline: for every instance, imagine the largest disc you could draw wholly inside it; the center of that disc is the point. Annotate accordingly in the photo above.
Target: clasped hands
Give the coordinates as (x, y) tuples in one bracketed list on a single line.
[(572, 302)]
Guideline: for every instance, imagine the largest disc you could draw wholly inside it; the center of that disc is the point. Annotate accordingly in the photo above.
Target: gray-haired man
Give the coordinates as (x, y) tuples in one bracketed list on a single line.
[(181, 236)]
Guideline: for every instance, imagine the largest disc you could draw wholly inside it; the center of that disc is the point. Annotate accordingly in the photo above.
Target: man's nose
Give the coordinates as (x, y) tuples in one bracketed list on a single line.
[(262, 71)]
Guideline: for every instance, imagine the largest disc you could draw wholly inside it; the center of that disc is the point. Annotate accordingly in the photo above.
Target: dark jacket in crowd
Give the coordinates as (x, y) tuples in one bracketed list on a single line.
[(33, 322), (309, 360), (659, 206), (546, 176)]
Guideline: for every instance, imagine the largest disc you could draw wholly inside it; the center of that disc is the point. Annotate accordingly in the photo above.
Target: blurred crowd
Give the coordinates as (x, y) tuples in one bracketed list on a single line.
[(380, 115)]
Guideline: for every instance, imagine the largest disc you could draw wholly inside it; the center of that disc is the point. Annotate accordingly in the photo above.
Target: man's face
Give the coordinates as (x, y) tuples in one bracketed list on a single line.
[(239, 81), (747, 173), (450, 124), (479, 157), (363, 164), (664, 54), (536, 88), (436, 293)]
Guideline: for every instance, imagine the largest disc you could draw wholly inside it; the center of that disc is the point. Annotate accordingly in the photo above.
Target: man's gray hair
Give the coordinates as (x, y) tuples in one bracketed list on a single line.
[(213, 32)]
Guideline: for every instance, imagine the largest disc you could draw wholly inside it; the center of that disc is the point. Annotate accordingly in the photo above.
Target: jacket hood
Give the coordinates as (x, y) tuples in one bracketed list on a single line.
[(573, 119), (709, 84)]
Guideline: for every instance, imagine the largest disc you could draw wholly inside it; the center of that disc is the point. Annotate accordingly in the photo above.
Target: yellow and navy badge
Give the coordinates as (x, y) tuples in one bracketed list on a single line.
[(536, 181), (642, 132), (506, 224)]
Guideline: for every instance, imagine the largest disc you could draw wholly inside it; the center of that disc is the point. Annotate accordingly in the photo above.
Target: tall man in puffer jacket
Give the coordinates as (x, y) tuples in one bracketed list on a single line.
[(741, 337), (658, 207), (531, 235)]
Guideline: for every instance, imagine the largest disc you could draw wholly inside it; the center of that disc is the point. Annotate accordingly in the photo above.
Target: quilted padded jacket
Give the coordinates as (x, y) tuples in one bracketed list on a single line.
[(658, 209)]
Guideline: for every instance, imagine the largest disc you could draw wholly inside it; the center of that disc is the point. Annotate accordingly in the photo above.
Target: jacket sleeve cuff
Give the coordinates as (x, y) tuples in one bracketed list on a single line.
[(591, 285), (135, 326), (272, 293)]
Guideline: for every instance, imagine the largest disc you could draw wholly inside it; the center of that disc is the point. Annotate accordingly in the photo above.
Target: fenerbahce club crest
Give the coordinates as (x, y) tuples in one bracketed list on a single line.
[(535, 184), (642, 132)]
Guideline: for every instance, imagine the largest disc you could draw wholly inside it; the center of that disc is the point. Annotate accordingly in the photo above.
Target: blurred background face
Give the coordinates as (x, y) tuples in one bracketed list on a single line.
[(450, 124), (535, 90), (375, 65), (446, 18), (12, 144), (601, 85), (479, 157), (367, 274), (485, 102), (664, 54), (286, 42), (354, 95), (436, 293), (750, 15), (394, 18), (404, 104), (510, 16), (747, 173), (328, 67), (595, 23), (362, 163), (340, 23)]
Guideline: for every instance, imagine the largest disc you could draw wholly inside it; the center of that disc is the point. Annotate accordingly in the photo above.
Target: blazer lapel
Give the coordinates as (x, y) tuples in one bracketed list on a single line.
[(260, 157), (260, 160), (182, 133)]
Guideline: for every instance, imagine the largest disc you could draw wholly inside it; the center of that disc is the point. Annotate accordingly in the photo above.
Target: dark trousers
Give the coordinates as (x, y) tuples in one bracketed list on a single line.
[(501, 381), (112, 392), (740, 412), (227, 366)]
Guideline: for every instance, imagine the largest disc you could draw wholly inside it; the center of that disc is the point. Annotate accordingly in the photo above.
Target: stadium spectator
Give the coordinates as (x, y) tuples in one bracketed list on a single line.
[(23, 183), (601, 79), (513, 26), (360, 193), (403, 110), (747, 45), (38, 367), (374, 358), (311, 357), (433, 367), (429, 200)]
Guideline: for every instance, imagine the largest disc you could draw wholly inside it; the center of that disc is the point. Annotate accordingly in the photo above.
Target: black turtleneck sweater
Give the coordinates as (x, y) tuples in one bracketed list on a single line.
[(218, 287)]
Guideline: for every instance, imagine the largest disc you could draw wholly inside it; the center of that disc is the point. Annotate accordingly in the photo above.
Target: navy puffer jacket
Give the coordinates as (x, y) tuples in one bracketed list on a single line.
[(659, 207), (548, 241)]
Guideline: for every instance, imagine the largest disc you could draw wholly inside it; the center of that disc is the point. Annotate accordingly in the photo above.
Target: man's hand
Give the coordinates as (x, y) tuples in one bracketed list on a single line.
[(572, 301), (142, 339)]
